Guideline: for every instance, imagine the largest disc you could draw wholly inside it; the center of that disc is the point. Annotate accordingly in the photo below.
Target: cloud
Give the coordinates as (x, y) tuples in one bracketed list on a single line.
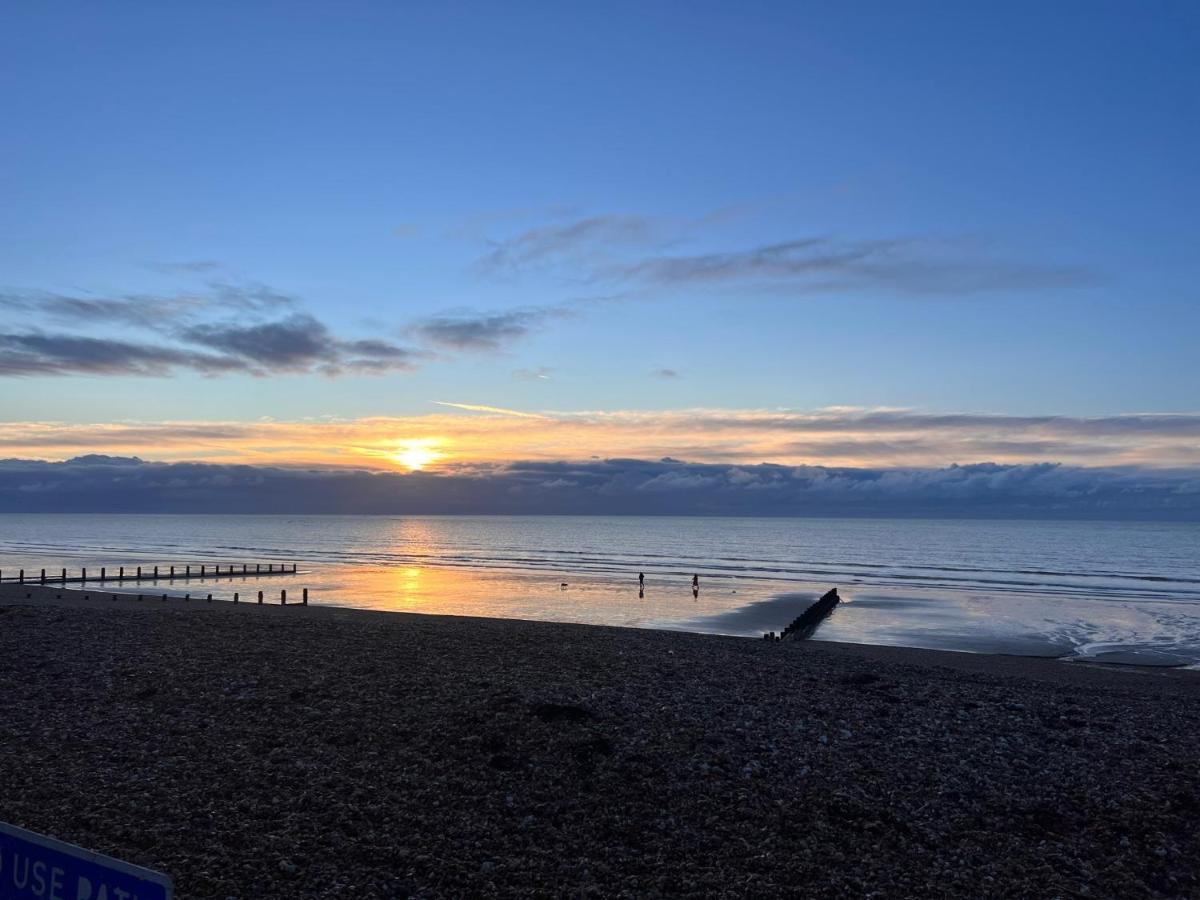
[(293, 344), (300, 343), (483, 332), (149, 311), (667, 374), (821, 263), (183, 336), (251, 297), (614, 249), (57, 354), (98, 483), (490, 434), (541, 373), (141, 311), (186, 267), (497, 410), (550, 244)]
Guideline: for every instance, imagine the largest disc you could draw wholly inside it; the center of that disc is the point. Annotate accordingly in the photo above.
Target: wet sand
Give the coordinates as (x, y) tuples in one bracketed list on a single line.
[(311, 752)]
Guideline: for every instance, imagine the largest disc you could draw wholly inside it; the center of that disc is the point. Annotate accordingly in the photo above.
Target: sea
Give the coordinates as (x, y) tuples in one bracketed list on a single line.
[(1091, 591)]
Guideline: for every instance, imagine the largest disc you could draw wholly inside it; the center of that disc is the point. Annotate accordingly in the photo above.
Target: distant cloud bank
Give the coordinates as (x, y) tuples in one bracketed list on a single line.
[(106, 484)]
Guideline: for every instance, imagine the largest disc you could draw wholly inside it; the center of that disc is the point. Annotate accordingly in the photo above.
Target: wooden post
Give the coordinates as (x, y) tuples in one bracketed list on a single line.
[(121, 574), (83, 576), (305, 600), (235, 597), (270, 568), (164, 598), (187, 596), (243, 568), (283, 598), (43, 577), (102, 573), (210, 598), (172, 575), (293, 568), (64, 576), (256, 565), (156, 573), (202, 571), (139, 575), (22, 576), (187, 572), (260, 598)]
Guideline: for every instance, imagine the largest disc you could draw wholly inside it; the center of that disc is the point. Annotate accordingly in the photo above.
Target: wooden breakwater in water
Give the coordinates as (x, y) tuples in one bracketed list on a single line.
[(148, 573), (803, 626)]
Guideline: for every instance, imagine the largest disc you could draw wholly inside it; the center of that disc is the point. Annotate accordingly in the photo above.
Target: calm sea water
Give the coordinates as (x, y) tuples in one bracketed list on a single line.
[(1106, 591)]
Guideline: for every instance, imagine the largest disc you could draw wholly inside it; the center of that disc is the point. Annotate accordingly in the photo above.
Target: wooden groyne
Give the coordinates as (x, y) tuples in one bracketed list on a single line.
[(806, 623), (148, 573), (34, 590)]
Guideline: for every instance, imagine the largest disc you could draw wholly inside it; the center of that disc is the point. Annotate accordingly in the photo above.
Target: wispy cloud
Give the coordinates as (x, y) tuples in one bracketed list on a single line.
[(665, 374), (469, 331), (140, 311), (497, 410), (295, 345), (59, 354), (628, 250), (574, 240), (185, 267), (541, 373), (150, 311), (822, 263), (227, 328)]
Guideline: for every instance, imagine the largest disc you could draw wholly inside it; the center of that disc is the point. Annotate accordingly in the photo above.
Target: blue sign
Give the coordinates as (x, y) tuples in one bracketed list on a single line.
[(33, 866)]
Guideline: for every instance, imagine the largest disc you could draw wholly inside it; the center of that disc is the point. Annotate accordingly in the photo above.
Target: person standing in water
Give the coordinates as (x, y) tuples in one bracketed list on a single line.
[(641, 580)]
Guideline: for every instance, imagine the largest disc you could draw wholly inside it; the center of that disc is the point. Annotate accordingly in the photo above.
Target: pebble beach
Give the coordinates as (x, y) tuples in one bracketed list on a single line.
[(262, 751)]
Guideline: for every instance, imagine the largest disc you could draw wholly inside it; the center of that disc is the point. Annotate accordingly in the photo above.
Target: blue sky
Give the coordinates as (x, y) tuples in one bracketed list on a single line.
[(985, 208)]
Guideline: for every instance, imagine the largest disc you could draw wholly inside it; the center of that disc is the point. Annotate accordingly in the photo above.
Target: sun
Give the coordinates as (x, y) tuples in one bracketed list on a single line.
[(416, 455)]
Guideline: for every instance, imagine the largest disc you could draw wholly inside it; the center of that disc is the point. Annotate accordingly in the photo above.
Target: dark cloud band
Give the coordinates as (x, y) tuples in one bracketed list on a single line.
[(620, 486)]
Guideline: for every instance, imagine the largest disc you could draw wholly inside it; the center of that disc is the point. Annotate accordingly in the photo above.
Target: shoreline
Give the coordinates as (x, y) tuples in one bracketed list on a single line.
[(74, 598), (330, 751)]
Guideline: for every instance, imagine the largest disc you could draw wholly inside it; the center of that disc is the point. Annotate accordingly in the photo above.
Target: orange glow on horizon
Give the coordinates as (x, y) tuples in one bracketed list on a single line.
[(457, 442)]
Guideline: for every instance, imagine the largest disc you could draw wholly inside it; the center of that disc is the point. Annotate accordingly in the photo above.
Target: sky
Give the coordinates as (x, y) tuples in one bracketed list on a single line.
[(449, 239)]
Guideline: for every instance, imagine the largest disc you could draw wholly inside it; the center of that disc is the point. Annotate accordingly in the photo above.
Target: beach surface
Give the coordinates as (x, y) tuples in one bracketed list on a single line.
[(261, 751)]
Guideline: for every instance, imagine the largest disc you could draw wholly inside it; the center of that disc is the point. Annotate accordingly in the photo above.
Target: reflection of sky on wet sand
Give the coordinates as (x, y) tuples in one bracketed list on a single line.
[(457, 591)]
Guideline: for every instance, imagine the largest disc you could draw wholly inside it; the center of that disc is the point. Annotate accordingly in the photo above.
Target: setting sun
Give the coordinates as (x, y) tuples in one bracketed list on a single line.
[(416, 455)]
